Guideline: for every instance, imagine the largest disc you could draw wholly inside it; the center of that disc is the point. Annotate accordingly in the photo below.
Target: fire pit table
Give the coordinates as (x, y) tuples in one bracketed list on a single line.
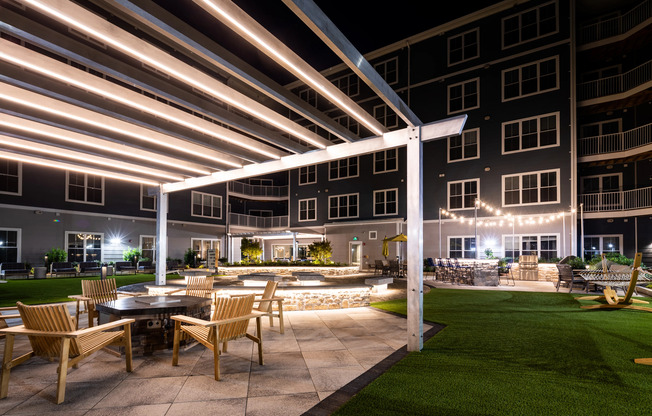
[(153, 329)]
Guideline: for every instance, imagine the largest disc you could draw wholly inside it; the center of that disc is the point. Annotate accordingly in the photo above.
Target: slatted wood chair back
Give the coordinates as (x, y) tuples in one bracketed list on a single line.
[(100, 290), (270, 291), (200, 286), (48, 318), (226, 308)]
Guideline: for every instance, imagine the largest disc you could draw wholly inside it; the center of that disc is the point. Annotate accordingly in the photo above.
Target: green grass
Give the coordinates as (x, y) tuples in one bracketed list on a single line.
[(517, 353), (55, 290)]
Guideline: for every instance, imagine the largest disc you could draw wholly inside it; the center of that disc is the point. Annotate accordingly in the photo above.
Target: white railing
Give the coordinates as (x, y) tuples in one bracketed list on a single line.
[(258, 190), (618, 201), (615, 26), (615, 84), (615, 142), (253, 221)]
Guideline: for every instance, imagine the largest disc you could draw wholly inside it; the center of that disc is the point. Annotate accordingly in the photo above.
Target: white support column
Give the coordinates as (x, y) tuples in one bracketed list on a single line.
[(415, 240), (161, 236), (294, 246)]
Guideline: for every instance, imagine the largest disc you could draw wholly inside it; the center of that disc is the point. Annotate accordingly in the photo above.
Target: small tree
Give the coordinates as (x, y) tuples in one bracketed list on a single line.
[(55, 255), (250, 249), (132, 255), (321, 251), (190, 258)]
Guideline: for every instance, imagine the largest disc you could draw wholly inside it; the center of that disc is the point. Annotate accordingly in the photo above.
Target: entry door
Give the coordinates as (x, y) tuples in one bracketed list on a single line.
[(355, 254)]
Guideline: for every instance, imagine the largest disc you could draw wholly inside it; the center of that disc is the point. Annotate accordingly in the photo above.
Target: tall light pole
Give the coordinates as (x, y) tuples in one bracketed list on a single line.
[(475, 224)]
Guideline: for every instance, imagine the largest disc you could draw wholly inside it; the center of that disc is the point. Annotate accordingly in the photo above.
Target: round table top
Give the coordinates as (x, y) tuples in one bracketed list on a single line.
[(151, 305)]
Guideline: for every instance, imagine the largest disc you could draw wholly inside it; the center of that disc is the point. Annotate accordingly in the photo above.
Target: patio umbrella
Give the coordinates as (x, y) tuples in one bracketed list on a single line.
[(385, 248), (401, 238)]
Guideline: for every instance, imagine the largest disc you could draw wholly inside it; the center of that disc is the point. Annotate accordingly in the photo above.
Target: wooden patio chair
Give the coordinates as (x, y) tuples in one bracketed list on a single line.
[(199, 286), (229, 322), (5, 316), (265, 302), (52, 334), (96, 291)]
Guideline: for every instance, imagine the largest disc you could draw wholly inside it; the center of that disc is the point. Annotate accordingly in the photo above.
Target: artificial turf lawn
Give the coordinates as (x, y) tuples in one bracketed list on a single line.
[(517, 353), (33, 292)]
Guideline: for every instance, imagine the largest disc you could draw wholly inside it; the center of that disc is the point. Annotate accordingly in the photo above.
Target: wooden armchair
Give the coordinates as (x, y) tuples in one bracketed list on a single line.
[(200, 286), (567, 276), (265, 301), (229, 322), (52, 334), (5, 316), (96, 291)]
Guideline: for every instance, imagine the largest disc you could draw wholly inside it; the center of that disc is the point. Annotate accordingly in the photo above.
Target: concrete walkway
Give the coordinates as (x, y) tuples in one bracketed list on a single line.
[(320, 352)]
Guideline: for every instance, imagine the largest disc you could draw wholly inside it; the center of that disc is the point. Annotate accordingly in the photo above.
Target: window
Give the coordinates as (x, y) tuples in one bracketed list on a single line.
[(465, 146), (388, 70), (309, 95), (373, 235), (349, 123), (601, 128), (84, 246), (343, 206), (86, 188), (461, 247), (385, 116), (463, 47), (147, 203), (206, 205), (202, 246), (148, 247), (530, 79), (9, 245), (308, 209), (531, 133), (530, 24), (10, 177), (343, 168), (386, 161), (265, 213), (462, 194), (464, 96), (386, 202), (348, 84), (531, 188), (601, 183), (595, 245), (307, 175), (544, 246)]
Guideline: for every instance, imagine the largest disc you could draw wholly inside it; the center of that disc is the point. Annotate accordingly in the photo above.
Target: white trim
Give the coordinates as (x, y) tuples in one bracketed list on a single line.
[(377, 221), (307, 175), (601, 176), (463, 181), (66, 244), (85, 201), (385, 162), (448, 148), (140, 245), (520, 27), (464, 59), (463, 237), (463, 85), (348, 167), (307, 210), (519, 241), (520, 133), (383, 72), (373, 235), (19, 241), (143, 194), (520, 188), (519, 68), (20, 179), (385, 191), (331, 197), (204, 194)]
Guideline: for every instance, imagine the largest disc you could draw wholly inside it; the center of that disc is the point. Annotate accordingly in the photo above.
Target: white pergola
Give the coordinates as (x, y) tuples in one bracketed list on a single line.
[(173, 110)]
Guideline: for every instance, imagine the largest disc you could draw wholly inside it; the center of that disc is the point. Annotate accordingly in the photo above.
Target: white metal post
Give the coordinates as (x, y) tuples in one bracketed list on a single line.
[(415, 240), (439, 232), (161, 236)]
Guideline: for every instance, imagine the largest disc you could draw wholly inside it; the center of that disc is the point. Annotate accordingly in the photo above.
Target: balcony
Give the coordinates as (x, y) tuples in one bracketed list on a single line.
[(616, 26), (259, 191), (617, 201), (630, 82), (252, 221), (616, 142)]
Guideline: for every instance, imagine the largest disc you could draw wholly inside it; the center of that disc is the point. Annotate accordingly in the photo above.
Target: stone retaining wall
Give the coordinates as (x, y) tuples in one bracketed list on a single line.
[(287, 271), (547, 272)]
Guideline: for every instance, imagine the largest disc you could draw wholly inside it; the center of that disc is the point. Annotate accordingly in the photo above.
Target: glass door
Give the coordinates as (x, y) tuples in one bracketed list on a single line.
[(355, 254)]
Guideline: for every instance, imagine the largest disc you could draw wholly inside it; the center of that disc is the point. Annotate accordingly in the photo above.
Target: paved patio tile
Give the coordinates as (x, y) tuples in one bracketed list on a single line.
[(281, 405), (201, 388), (79, 396), (142, 391), (333, 378), (145, 410), (280, 382), (321, 344), (318, 359), (221, 407)]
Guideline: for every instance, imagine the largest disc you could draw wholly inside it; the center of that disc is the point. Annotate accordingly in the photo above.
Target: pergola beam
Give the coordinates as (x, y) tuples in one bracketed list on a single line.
[(323, 27)]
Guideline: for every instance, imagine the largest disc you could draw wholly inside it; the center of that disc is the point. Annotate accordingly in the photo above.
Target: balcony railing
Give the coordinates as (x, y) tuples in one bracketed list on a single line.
[(253, 221), (617, 25), (616, 142), (618, 201), (258, 190), (615, 84)]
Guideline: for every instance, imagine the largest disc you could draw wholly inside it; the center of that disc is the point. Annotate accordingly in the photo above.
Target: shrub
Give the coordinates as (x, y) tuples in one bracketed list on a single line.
[(577, 263), (190, 258), (55, 255), (132, 255), (321, 251)]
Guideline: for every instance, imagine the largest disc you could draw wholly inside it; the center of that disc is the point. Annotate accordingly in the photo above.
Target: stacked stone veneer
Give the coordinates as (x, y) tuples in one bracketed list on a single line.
[(547, 272), (304, 299), (287, 271)]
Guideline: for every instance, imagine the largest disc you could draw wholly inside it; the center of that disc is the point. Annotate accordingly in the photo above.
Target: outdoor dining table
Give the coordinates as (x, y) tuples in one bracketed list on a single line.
[(153, 329)]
